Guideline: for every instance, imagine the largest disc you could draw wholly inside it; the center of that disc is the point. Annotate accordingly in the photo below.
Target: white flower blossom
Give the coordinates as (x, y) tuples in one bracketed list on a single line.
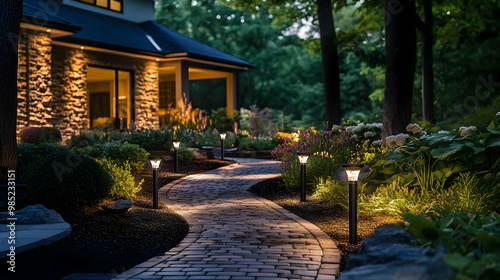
[(498, 113), (348, 129), (377, 142), (443, 132), (356, 129), (335, 127), (395, 141), (354, 136), (374, 125), (466, 131), (415, 129), (368, 134)]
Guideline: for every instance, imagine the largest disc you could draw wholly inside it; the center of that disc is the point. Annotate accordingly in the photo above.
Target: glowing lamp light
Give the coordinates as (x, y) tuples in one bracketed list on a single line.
[(176, 144), (303, 157), (352, 171), (223, 136), (155, 162)]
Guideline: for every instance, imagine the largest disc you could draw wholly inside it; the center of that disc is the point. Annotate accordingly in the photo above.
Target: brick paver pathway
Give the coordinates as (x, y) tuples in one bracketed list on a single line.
[(237, 235)]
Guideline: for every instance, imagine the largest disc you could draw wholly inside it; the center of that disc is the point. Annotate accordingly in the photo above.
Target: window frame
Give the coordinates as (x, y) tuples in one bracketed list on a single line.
[(116, 94), (108, 5)]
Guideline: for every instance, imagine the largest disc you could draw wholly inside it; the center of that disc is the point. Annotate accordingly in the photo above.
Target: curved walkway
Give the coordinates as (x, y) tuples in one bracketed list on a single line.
[(237, 235)]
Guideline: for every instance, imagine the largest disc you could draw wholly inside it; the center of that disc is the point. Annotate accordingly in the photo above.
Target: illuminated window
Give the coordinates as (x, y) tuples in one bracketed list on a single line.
[(114, 5), (109, 99)]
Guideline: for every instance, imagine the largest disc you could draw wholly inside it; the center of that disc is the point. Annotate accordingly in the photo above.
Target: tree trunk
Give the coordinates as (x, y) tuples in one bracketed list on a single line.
[(10, 18), (400, 65), (427, 64), (330, 62)]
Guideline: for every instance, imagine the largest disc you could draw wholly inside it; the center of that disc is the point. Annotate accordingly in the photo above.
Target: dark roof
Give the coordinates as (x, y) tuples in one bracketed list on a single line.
[(33, 14), (113, 33)]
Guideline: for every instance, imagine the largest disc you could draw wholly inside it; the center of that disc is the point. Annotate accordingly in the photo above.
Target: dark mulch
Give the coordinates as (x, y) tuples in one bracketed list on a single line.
[(102, 242), (332, 219)]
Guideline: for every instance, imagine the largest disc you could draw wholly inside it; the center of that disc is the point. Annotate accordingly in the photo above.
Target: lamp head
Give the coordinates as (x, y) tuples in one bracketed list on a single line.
[(155, 162), (176, 143), (303, 157), (223, 136), (352, 170)]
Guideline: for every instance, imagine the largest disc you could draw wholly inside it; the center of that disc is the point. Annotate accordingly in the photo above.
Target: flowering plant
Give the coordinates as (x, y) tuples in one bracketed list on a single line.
[(327, 150)]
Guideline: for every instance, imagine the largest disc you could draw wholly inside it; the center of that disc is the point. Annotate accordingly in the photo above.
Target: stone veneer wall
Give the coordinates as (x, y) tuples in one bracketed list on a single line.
[(58, 85), (69, 73), (36, 109)]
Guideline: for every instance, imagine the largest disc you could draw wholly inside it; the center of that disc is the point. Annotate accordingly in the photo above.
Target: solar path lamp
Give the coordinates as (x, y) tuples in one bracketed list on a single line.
[(352, 170), (176, 144), (222, 138), (303, 161), (155, 164)]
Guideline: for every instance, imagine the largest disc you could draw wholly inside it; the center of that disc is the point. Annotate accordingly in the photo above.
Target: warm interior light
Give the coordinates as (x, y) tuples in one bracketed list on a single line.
[(157, 59), (155, 162), (48, 30), (176, 144), (352, 170), (223, 136), (82, 47), (303, 158)]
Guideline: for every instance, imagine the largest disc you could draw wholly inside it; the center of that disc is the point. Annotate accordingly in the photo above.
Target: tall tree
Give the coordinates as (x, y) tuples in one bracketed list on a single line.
[(320, 13), (427, 62), (400, 65), (10, 19)]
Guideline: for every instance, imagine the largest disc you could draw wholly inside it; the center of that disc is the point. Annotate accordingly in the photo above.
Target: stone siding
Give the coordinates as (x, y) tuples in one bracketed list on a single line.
[(69, 72), (56, 82), (34, 58)]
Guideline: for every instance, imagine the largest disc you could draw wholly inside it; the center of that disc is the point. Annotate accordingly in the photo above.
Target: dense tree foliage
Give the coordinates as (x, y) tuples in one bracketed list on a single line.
[(289, 75)]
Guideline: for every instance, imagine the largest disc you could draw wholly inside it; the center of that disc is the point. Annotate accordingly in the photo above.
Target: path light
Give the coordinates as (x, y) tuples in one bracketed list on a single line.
[(352, 170), (155, 164), (176, 144), (222, 138), (303, 161)]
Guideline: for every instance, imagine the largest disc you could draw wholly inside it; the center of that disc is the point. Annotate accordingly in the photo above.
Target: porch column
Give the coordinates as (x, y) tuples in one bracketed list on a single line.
[(182, 83), (231, 90)]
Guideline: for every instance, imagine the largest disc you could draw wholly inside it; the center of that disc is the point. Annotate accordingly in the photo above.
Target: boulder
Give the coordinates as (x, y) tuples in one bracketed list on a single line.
[(387, 255), (119, 206), (33, 215)]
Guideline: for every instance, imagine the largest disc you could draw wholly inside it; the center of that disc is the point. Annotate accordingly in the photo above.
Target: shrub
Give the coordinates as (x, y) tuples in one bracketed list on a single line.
[(36, 135), (185, 155), (472, 241), (123, 181), (222, 122), (327, 151), (256, 144), (120, 153), (60, 178)]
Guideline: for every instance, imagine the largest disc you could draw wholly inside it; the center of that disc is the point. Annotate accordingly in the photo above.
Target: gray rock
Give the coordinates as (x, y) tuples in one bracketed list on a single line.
[(383, 256), (34, 215), (119, 207)]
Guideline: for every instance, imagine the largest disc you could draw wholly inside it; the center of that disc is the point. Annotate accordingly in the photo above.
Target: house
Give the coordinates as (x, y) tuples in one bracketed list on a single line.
[(84, 61)]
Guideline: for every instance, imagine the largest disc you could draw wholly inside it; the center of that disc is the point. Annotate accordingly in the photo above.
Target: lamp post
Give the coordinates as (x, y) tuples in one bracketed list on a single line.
[(155, 164), (303, 161), (222, 138), (352, 170), (176, 144)]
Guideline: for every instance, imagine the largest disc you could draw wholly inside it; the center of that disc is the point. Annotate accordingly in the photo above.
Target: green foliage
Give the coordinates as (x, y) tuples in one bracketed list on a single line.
[(60, 178), (336, 192), (36, 135), (148, 139), (472, 241), (222, 121), (120, 153), (256, 144), (185, 155), (123, 182), (481, 116)]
